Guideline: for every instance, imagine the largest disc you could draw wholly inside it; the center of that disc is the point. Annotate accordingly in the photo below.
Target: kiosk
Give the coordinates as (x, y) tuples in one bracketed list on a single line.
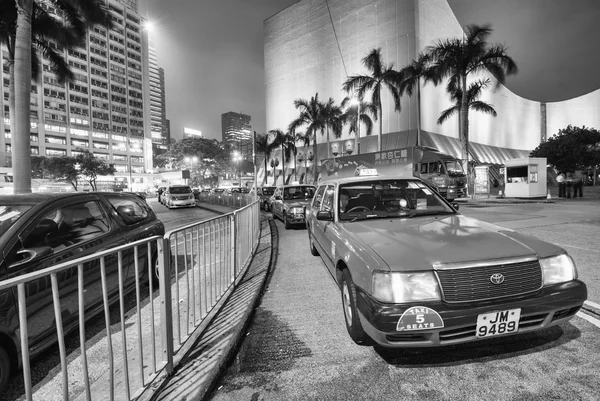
[(525, 178)]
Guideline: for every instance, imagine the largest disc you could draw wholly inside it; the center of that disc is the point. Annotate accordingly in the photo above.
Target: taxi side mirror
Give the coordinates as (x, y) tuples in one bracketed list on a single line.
[(324, 215)]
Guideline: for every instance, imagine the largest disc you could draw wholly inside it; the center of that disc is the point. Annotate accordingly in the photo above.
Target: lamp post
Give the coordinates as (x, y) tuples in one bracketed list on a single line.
[(191, 161), (237, 157)]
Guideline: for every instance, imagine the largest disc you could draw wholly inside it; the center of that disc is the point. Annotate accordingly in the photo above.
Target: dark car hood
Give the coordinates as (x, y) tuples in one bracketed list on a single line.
[(421, 242)]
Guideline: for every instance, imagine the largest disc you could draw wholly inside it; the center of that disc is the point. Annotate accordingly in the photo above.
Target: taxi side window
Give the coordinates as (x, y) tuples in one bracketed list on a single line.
[(327, 205), (318, 198)]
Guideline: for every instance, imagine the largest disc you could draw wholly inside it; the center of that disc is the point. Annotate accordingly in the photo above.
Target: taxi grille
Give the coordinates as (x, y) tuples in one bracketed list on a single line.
[(473, 283)]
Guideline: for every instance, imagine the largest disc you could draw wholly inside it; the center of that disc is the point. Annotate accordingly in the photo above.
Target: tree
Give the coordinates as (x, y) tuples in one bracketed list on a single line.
[(572, 148), (382, 76), (411, 75), (263, 146), (34, 27), (90, 167), (310, 117), (290, 149), (37, 168), (459, 58), (353, 119), (306, 141), (474, 92), (332, 118), (278, 141), (61, 168)]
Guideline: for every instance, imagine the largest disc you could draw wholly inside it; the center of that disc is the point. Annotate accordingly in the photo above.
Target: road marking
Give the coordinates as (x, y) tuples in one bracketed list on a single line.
[(590, 319), (577, 247), (592, 304)]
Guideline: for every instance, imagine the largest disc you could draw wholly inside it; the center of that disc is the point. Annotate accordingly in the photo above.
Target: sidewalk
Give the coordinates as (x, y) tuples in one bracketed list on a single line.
[(206, 354), (589, 193)]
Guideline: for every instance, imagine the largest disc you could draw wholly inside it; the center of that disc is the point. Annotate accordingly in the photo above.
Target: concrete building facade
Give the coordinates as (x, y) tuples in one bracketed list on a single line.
[(313, 46), (106, 110)]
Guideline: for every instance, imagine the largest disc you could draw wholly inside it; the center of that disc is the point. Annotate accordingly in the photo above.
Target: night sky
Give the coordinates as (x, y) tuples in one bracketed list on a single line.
[(212, 52)]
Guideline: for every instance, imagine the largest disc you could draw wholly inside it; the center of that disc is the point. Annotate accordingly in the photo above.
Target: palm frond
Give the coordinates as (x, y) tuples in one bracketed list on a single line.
[(446, 114)]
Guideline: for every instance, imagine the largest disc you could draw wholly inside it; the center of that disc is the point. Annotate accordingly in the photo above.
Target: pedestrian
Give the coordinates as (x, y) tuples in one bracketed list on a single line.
[(578, 179), (560, 179), (569, 184)]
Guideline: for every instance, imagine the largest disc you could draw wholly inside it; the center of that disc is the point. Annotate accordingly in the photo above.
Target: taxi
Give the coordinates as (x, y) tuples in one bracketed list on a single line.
[(413, 272), (288, 203)]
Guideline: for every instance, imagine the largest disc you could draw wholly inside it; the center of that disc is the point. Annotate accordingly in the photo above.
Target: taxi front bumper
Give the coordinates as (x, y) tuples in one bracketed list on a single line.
[(547, 307), (295, 218), (182, 202)]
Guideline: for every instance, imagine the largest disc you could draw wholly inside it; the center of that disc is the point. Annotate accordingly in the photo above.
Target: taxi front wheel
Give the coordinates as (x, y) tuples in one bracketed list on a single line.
[(313, 248), (353, 324)]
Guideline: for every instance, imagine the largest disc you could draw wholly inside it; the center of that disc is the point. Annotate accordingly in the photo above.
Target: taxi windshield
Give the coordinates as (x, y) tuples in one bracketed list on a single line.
[(300, 192), (180, 190), (389, 199), (9, 214)]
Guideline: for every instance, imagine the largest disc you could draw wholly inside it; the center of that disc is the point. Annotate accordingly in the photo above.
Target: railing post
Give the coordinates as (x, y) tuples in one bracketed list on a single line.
[(232, 247), (166, 310)]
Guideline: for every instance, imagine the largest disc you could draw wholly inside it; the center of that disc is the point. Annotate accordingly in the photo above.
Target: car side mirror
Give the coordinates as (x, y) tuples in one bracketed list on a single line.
[(278, 197), (324, 215), (455, 206)]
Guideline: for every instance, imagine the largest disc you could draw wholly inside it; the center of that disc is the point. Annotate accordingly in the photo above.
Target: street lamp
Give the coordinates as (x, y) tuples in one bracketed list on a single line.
[(191, 161), (237, 157)]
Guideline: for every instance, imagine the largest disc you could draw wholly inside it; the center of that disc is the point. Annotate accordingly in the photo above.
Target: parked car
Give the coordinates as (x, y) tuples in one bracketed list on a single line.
[(179, 196), (159, 193), (264, 196), (288, 203), (413, 272), (38, 231)]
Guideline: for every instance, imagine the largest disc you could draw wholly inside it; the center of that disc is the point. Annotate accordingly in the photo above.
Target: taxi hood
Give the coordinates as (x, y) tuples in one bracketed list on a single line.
[(419, 242)]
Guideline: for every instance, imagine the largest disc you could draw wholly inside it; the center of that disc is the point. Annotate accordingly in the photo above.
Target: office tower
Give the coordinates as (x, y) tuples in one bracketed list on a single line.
[(105, 110), (159, 132), (237, 132)]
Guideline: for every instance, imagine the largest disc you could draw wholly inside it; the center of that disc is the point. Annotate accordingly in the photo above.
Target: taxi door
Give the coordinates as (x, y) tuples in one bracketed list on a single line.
[(324, 231)]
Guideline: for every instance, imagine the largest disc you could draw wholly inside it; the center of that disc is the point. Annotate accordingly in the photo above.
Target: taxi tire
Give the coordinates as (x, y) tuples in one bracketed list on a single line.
[(5, 367), (348, 292), (286, 223), (313, 249)]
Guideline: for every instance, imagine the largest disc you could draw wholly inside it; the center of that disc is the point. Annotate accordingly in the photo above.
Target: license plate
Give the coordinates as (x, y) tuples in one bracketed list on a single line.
[(497, 323)]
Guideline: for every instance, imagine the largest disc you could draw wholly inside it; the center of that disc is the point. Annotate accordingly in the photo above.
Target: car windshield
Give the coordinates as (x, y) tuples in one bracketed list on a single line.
[(9, 214), (389, 199), (268, 191), (180, 190), (301, 192), (454, 168)]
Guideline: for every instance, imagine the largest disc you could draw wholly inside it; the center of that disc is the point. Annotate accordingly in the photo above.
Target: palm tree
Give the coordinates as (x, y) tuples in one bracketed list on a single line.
[(422, 67), (311, 117), (262, 146), (279, 141), (332, 117), (289, 145), (458, 58), (35, 28), (381, 76), (305, 139), (352, 118), (473, 93)]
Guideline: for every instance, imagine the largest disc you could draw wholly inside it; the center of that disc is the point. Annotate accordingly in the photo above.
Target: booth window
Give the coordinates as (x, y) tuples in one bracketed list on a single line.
[(533, 173), (517, 174)]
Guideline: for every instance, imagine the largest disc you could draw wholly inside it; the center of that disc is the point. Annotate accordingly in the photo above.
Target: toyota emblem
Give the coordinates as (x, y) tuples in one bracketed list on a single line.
[(497, 278)]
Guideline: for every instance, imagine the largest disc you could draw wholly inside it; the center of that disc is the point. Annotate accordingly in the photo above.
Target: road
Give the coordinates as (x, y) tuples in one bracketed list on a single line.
[(298, 349), (46, 369)]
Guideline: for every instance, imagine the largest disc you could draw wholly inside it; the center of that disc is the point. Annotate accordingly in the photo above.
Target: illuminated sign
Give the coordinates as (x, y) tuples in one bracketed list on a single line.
[(191, 132)]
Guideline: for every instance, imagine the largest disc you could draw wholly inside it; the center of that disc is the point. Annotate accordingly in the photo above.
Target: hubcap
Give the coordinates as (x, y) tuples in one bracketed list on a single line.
[(347, 304)]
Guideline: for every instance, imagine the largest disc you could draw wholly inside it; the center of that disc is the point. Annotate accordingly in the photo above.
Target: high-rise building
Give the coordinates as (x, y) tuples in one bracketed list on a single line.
[(158, 116), (105, 110), (237, 132)]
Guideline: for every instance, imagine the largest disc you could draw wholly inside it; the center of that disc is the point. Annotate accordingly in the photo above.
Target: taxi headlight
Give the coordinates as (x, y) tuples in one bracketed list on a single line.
[(558, 269), (395, 287)]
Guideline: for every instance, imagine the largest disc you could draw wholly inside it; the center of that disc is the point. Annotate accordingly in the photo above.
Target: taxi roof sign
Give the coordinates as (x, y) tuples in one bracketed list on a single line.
[(365, 172)]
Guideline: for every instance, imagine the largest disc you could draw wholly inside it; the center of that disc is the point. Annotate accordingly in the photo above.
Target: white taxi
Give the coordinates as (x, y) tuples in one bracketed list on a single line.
[(413, 272)]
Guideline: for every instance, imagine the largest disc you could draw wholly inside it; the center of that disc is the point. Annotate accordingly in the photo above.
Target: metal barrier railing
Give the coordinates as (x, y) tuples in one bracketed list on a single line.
[(196, 266)]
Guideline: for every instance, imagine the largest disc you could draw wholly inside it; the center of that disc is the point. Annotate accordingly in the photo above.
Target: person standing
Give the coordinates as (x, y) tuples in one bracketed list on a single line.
[(569, 184), (560, 179), (577, 183)]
